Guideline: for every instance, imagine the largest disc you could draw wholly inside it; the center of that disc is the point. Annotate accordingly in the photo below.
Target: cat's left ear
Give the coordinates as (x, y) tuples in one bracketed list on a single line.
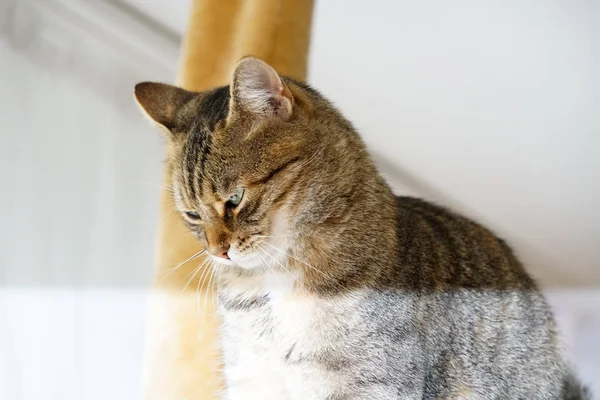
[(259, 91), (162, 102)]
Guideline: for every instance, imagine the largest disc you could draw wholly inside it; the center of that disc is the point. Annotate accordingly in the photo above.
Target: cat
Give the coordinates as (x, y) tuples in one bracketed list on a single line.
[(331, 287)]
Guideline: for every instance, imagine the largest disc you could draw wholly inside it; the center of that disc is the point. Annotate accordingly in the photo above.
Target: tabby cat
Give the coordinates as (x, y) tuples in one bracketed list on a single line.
[(330, 287)]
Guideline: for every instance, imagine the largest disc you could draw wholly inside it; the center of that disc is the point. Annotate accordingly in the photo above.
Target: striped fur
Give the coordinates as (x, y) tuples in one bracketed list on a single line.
[(336, 289)]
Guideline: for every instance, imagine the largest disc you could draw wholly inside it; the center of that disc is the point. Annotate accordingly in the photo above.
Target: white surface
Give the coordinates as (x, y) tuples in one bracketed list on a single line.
[(69, 344)]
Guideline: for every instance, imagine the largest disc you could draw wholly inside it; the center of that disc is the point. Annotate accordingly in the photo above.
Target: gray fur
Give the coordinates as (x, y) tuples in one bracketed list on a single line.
[(336, 289)]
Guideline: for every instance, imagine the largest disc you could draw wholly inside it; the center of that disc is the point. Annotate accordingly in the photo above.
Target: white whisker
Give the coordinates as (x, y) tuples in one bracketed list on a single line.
[(215, 294), (274, 236), (176, 267), (312, 158), (207, 270), (297, 259), (196, 270), (284, 267), (208, 287), (200, 278), (262, 260)]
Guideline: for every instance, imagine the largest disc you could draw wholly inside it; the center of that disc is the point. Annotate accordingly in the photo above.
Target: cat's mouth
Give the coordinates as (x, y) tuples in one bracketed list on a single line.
[(259, 257), (241, 260), (222, 261)]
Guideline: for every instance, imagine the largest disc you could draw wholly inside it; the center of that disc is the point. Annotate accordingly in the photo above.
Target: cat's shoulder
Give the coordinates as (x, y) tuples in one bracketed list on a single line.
[(414, 212), (415, 206)]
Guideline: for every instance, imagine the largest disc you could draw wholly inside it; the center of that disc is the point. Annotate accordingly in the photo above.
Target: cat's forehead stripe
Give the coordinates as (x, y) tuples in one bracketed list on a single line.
[(211, 110), (190, 168), (214, 107)]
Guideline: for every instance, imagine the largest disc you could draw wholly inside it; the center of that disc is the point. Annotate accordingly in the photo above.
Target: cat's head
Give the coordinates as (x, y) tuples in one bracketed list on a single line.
[(258, 164)]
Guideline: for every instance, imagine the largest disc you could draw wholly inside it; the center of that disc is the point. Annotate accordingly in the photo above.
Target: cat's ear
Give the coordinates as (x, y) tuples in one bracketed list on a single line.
[(160, 102), (258, 90)]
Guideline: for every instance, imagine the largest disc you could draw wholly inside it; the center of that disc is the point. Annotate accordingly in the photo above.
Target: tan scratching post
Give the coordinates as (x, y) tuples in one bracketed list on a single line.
[(182, 359)]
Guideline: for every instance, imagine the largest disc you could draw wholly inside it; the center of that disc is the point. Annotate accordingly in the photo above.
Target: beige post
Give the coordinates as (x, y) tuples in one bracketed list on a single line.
[(182, 360)]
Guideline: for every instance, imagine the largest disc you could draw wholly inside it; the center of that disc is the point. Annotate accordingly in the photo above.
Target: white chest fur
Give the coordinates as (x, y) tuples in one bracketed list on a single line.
[(272, 330)]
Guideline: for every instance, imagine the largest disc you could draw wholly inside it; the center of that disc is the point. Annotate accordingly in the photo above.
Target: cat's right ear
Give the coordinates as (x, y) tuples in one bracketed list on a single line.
[(161, 102), (258, 90)]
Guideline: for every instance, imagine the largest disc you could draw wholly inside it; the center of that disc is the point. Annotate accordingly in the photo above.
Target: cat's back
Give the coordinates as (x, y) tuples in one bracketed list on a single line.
[(480, 318), (438, 248)]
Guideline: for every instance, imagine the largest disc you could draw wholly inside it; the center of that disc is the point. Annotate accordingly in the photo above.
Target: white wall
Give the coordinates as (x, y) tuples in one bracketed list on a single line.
[(172, 15), (80, 170)]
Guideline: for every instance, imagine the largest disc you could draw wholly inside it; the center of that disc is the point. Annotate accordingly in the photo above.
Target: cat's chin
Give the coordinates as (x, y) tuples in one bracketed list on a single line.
[(248, 263)]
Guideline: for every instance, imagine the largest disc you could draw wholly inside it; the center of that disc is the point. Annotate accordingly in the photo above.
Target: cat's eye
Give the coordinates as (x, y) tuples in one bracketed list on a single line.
[(235, 199), (192, 215)]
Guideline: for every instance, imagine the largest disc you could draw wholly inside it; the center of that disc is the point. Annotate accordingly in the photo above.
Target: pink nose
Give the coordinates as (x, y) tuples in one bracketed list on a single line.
[(220, 252)]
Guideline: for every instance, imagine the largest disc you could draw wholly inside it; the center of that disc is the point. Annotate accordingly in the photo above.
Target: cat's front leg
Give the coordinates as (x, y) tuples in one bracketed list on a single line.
[(252, 381)]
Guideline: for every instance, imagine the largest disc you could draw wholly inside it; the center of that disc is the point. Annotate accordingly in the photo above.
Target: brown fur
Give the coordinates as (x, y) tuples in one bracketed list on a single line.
[(249, 151), (181, 360), (300, 161)]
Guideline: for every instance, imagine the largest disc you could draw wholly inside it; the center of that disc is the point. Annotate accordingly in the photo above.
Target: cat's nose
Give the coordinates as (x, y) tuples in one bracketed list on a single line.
[(218, 240), (220, 251)]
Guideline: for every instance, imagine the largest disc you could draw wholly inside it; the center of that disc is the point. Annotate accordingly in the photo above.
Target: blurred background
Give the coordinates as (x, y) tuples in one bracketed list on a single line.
[(492, 108)]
